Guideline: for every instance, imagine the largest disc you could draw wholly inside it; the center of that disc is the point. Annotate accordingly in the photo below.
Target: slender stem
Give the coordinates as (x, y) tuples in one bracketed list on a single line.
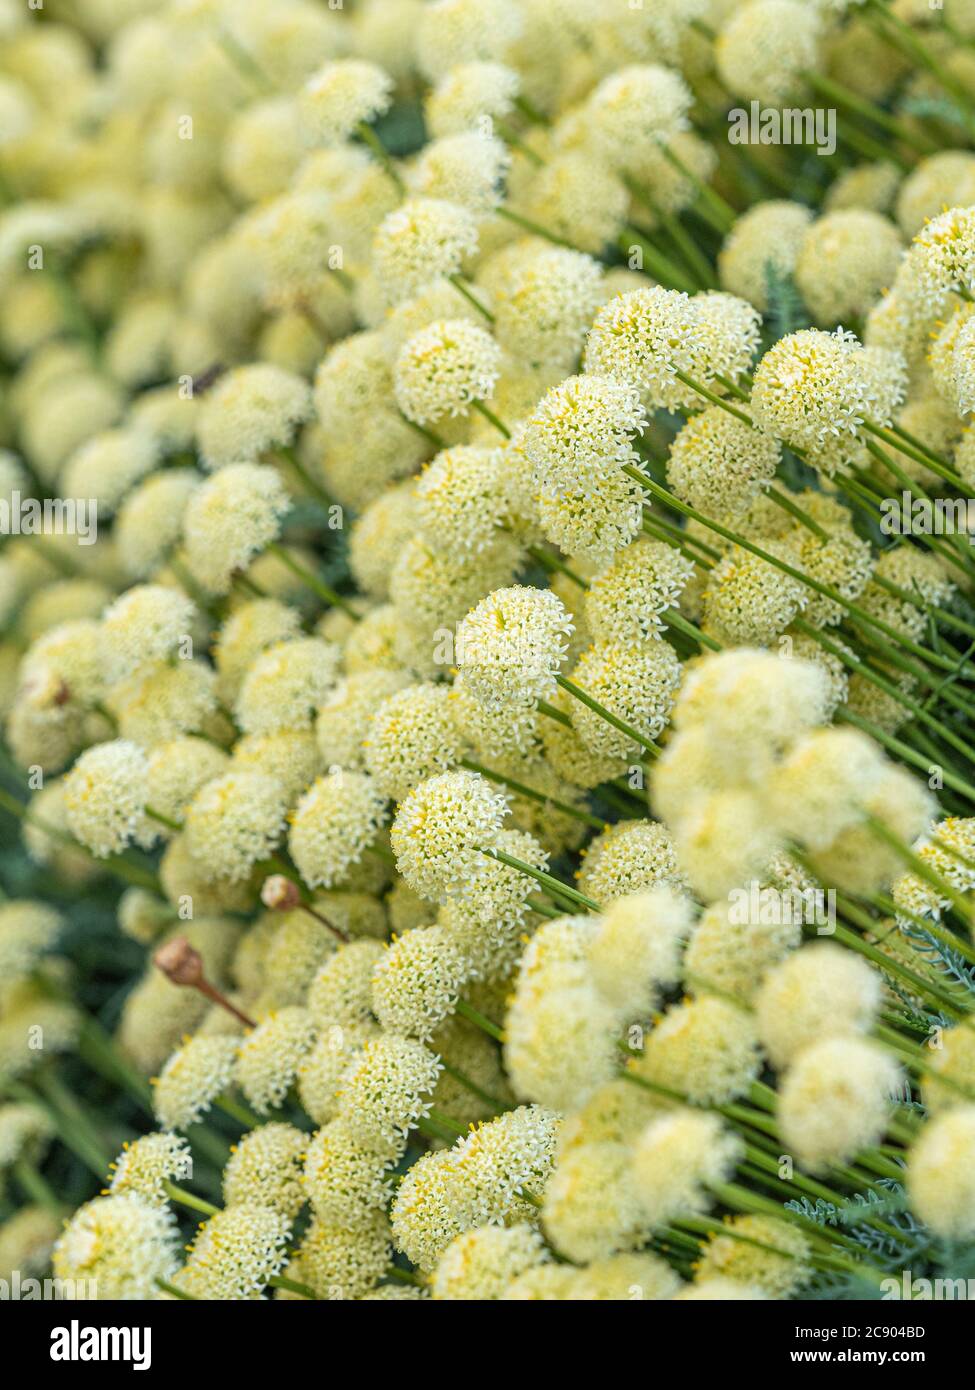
[(576, 691), (437, 1126), (783, 498), (342, 935), (844, 96), (460, 286), (36, 1186), (714, 208), (281, 1281), (237, 1111), (469, 1085), (827, 590), (479, 1020), (188, 1199), (318, 586), (370, 138), (520, 789), (906, 752), (430, 435), (122, 868), (548, 881), (660, 265), (535, 228), (490, 416), (920, 454), (290, 456), (924, 871)]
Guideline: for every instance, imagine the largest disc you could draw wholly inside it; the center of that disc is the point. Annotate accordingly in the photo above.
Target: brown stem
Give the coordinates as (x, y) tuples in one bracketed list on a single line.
[(182, 964)]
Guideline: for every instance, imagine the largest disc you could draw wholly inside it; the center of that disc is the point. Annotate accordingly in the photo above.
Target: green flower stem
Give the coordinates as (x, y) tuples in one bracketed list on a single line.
[(766, 174), (903, 1133), (403, 1276), (747, 419), (912, 1055), (741, 1199), (479, 1020), (707, 1225), (290, 456), (430, 435), (317, 586), (369, 137), (889, 688), (543, 909), (245, 63), (673, 618), (962, 561), (188, 1199), (469, 1085), (927, 756), (492, 419), (281, 1281), (167, 821), (554, 886), (933, 454), (874, 150), (936, 997), (436, 1125), (460, 286), (901, 36), (782, 498), (712, 207), (659, 264), (169, 1288), (625, 800), (238, 1111), (715, 399), (121, 867), (942, 614), (554, 564), (732, 387), (799, 1182), (937, 1000), (919, 453), (249, 587), (695, 262), (511, 137), (36, 1186), (924, 872), (535, 228), (557, 715), (906, 752), (530, 111), (948, 938), (826, 590), (530, 1198), (670, 1234), (758, 1131), (73, 1127), (688, 544), (78, 320), (99, 1050), (576, 691), (844, 96), (520, 789)]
